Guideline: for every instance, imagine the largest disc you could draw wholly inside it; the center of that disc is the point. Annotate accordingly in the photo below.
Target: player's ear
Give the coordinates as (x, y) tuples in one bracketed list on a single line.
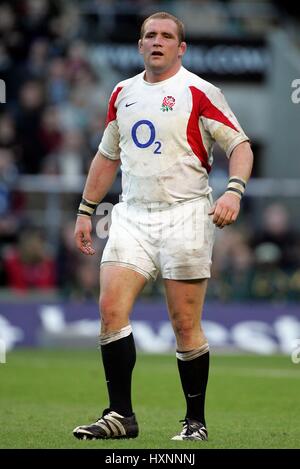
[(182, 49), (140, 46)]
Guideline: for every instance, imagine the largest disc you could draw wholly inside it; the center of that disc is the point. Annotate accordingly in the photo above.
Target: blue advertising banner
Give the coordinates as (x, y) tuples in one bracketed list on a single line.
[(258, 328)]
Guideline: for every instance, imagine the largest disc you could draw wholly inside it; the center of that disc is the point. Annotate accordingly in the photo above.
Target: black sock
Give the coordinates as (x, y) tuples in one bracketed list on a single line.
[(118, 360), (194, 376)]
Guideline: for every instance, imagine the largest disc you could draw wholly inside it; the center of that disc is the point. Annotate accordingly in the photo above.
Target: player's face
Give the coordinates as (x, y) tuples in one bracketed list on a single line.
[(161, 48)]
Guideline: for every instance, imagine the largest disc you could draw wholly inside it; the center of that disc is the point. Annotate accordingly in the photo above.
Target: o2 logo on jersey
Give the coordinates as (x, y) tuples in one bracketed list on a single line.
[(151, 140)]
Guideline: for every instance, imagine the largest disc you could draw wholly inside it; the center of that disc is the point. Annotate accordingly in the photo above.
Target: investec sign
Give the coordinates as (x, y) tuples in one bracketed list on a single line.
[(251, 327), (243, 60)]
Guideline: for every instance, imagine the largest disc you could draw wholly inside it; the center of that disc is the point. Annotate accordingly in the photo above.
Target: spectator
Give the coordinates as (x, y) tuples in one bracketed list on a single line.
[(8, 216), (36, 65), (8, 136), (67, 260), (57, 84), (50, 134), (77, 277), (68, 160), (270, 282), (28, 120), (276, 230), (29, 265)]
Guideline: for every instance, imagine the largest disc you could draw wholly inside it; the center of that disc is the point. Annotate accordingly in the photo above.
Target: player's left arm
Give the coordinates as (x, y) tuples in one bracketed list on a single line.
[(226, 208)]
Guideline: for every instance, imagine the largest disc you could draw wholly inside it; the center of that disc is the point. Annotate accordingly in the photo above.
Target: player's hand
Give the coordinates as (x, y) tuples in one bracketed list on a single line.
[(225, 210), (82, 234)]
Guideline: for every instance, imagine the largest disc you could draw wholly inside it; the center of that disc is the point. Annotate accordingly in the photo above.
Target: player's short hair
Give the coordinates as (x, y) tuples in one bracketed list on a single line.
[(162, 15)]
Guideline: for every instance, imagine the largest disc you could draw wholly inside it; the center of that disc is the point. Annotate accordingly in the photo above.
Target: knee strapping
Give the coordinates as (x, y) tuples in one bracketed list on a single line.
[(192, 354), (105, 339)]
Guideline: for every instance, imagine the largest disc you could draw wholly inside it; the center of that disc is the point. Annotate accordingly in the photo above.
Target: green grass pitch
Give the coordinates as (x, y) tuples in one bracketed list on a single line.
[(252, 401)]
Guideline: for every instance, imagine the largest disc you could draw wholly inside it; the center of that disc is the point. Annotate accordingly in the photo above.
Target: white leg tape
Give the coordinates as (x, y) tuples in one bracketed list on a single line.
[(105, 339), (192, 354)]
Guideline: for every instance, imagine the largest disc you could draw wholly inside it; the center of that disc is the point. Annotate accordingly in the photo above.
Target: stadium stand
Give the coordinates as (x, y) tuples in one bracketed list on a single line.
[(58, 79)]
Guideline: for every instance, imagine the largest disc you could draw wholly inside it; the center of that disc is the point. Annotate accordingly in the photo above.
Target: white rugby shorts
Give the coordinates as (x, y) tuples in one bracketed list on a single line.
[(176, 241)]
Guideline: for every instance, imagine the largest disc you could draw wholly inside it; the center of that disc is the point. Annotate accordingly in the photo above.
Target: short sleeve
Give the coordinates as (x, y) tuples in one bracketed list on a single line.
[(109, 145), (221, 123)]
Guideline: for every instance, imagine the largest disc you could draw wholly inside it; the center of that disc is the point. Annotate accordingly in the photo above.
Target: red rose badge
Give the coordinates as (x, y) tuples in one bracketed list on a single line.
[(168, 103)]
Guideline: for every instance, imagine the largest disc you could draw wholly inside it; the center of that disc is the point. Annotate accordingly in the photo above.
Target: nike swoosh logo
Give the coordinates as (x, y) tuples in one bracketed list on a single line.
[(130, 104), (194, 395)]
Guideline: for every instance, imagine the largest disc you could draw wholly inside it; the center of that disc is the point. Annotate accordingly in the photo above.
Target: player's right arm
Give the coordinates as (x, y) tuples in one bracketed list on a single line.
[(100, 178)]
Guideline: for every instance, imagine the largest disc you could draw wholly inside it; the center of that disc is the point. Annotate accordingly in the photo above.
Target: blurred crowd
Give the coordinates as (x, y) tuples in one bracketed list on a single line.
[(248, 264), (51, 125), (261, 263)]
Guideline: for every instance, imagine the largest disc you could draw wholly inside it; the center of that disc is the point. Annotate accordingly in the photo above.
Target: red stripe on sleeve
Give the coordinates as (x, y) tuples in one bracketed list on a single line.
[(209, 110), (193, 133), (112, 111), (202, 106)]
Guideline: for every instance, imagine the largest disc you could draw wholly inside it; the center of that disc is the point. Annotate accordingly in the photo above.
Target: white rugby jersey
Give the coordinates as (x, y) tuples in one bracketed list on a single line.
[(164, 134)]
